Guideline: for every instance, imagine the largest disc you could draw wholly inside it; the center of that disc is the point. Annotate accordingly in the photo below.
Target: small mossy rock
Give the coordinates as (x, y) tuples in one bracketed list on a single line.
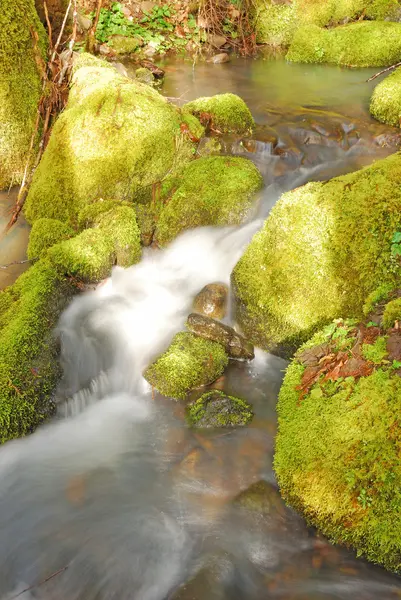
[(28, 353), (44, 234), (322, 250), (115, 139), (89, 256), (21, 61), (385, 104), (215, 190), (228, 112), (339, 438), (216, 409), (122, 44), (188, 363), (145, 76), (235, 344), (212, 301), (362, 44), (262, 499)]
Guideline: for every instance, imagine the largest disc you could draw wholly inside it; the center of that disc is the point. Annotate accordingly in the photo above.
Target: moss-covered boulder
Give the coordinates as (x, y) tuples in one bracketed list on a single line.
[(22, 54), (362, 44), (339, 439), (28, 366), (122, 44), (44, 234), (385, 104), (323, 248), (215, 190), (114, 239), (188, 363), (275, 24), (227, 112), (217, 409), (115, 139)]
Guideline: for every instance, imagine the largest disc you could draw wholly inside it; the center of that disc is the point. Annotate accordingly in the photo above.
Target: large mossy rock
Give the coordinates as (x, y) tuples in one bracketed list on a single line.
[(228, 113), (115, 139), (362, 44), (28, 353), (22, 54), (385, 104), (323, 248), (215, 190), (188, 363), (339, 438)]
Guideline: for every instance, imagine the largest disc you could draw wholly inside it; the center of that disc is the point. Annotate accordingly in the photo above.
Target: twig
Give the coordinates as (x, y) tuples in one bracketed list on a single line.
[(384, 71), (18, 262), (49, 27), (60, 35), (40, 582)]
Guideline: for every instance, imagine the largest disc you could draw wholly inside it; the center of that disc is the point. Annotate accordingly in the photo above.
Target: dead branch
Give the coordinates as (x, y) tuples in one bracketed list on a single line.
[(92, 33), (40, 582), (18, 262), (383, 71), (49, 27)]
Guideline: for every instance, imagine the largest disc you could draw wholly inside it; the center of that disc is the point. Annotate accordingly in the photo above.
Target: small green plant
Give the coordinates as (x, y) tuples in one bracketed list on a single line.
[(157, 19), (364, 499), (396, 244)]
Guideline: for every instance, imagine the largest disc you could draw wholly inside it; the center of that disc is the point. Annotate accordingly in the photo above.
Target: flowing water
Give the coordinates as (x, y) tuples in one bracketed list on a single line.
[(117, 498)]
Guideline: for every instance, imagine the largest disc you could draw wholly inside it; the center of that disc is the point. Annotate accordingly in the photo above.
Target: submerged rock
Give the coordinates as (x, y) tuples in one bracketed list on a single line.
[(235, 344), (385, 104), (212, 300), (144, 76), (116, 138), (339, 439), (228, 113), (323, 248), (362, 44), (216, 409), (215, 190), (21, 59), (29, 369), (188, 363)]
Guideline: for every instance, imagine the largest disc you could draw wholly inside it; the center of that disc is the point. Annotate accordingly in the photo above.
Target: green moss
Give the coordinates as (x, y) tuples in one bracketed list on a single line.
[(44, 234), (21, 62), (194, 126), (376, 352), (322, 250), (275, 24), (216, 190), (115, 139), (145, 76), (216, 409), (337, 459), (28, 365), (120, 225), (228, 111), (385, 104), (379, 10), (380, 293), (189, 362), (392, 313), (122, 44), (145, 216), (362, 44)]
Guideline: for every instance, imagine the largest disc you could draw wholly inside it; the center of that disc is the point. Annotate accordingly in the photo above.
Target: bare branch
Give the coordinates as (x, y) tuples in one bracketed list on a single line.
[(384, 71)]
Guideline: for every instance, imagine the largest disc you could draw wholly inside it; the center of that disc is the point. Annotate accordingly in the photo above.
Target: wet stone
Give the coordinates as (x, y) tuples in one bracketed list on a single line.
[(219, 58), (216, 409), (212, 301), (235, 344)]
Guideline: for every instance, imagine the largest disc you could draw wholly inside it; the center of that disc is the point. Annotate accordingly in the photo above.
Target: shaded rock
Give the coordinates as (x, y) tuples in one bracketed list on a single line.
[(394, 346), (144, 76), (189, 362), (121, 70), (210, 581), (216, 40), (157, 72), (219, 58), (212, 301), (235, 344), (262, 499), (216, 409)]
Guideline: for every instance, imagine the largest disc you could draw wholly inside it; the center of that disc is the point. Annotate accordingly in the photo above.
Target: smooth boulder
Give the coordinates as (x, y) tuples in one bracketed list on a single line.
[(235, 344)]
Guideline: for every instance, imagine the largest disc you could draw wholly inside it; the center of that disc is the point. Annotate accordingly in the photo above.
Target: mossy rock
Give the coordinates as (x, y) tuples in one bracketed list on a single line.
[(229, 112), (339, 438), (44, 234), (215, 190), (188, 363), (28, 353), (122, 44), (385, 104), (114, 239), (275, 24), (362, 44), (323, 248), (217, 409), (145, 76), (115, 139), (21, 61)]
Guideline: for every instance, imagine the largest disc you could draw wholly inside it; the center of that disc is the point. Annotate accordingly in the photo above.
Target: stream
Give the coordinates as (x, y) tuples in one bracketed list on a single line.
[(117, 498)]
